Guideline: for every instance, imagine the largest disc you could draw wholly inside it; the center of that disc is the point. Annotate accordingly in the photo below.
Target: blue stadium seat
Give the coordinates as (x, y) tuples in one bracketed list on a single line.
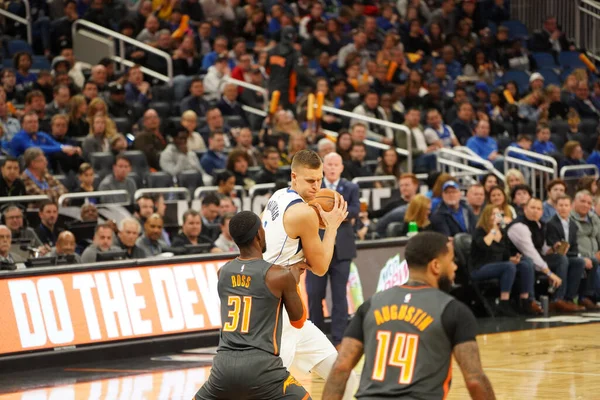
[(521, 77), (516, 29), (550, 77), (40, 62), (544, 60), (18, 45), (159, 180), (570, 59)]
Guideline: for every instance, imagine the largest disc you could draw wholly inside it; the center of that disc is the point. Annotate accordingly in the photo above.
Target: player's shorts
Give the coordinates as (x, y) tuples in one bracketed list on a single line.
[(250, 375), (303, 348)]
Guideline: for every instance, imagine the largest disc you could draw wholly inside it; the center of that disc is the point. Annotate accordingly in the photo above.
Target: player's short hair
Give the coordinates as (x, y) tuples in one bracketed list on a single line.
[(425, 247), (307, 159), (240, 226)]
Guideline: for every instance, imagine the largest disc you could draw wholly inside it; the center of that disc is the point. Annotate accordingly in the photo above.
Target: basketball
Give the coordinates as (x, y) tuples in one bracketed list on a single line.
[(326, 198)]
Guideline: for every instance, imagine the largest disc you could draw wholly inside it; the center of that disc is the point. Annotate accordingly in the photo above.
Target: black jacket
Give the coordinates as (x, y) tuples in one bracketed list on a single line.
[(555, 233), (16, 189), (444, 222), (540, 41), (482, 254)]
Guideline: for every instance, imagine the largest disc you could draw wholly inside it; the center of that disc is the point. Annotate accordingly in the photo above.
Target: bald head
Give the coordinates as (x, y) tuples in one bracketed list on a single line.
[(99, 74), (153, 227), (151, 120), (65, 244), (332, 167), (5, 240)]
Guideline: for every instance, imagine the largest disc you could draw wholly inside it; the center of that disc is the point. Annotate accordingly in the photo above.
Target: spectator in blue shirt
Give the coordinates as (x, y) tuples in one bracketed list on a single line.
[(30, 136), (523, 142), (594, 157), (137, 91), (449, 58), (219, 47), (214, 158), (453, 216), (543, 145), (485, 146), (22, 63)]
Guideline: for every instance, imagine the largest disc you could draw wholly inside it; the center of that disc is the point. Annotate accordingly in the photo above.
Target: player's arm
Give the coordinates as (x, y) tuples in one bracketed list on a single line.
[(461, 328), (349, 354), (467, 356), (301, 221), (283, 283)]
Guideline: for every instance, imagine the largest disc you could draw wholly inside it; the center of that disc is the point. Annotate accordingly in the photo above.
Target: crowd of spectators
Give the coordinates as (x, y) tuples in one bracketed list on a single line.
[(440, 68)]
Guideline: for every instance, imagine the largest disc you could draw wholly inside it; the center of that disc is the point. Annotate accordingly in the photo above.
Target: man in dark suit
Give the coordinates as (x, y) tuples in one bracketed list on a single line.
[(583, 104), (344, 252), (229, 105), (550, 39), (559, 229)]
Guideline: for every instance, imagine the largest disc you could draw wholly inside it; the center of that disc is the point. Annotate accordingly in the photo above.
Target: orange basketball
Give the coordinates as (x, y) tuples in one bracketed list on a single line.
[(326, 198)]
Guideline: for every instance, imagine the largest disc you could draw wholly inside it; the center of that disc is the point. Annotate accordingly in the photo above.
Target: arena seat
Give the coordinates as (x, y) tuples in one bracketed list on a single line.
[(520, 77), (163, 108), (394, 229), (17, 45), (159, 180), (544, 60), (139, 181), (516, 29), (191, 180), (550, 77), (559, 127), (102, 163), (123, 124), (138, 161), (462, 252), (588, 126), (570, 59)]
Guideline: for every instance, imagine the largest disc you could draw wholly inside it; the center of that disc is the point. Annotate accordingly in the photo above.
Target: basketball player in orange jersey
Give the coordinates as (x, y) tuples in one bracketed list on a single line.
[(292, 235)]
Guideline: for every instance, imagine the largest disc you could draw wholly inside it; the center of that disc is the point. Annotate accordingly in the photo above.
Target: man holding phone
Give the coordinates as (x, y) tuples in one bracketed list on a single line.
[(562, 237)]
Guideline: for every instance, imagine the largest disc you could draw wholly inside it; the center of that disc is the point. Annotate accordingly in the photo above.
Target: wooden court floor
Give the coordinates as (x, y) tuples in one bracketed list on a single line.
[(546, 364)]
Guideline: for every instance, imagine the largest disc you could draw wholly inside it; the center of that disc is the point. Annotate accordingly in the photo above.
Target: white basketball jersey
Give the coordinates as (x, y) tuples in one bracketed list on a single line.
[(281, 249)]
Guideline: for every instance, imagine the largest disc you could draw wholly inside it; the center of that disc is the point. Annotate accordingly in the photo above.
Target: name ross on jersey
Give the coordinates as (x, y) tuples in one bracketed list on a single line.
[(273, 208), (413, 315), (240, 281)]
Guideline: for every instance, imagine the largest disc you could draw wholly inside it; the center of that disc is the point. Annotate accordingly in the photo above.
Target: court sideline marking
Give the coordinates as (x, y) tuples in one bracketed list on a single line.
[(540, 371)]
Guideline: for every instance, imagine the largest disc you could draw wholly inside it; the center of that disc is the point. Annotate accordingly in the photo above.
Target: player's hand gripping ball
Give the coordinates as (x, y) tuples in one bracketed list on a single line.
[(326, 198)]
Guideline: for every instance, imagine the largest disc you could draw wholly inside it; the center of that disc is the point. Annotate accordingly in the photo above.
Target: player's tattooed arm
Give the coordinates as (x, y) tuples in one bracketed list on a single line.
[(467, 356), (350, 352)]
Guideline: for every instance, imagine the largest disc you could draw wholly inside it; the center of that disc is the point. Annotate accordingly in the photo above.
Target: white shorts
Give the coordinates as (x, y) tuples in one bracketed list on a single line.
[(303, 348)]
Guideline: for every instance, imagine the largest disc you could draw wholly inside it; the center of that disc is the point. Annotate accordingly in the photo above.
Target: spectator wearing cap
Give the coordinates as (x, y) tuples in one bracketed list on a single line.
[(519, 196), (453, 215), (177, 157), (215, 77), (229, 105), (195, 101), (485, 146), (117, 106), (61, 28)]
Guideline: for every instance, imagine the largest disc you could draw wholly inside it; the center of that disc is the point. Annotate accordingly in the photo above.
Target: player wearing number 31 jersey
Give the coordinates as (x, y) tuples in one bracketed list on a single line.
[(252, 291), (409, 333)]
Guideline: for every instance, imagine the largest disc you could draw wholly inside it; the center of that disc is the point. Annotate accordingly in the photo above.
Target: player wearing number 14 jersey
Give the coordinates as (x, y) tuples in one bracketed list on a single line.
[(409, 333), (252, 292)]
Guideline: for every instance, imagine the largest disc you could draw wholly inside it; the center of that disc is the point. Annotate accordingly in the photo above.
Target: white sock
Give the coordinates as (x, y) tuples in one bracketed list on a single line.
[(324, 368)]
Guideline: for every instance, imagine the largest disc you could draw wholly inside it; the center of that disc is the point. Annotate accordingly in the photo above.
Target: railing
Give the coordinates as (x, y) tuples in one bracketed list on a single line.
[(456, 163), (120, 57), (104, 193), (250, 86), (542, 172), (565, 170), (24, 199), (167, 190), (25, 21), (331, 110), (533, 12), (587, 25)]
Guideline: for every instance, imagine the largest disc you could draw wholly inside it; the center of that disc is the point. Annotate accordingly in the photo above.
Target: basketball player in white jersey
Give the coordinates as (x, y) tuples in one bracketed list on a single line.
[(292, 234)]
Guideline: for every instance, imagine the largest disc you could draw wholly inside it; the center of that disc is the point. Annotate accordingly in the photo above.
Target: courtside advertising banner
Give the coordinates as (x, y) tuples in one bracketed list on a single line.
[(82, 308), (394, 273)]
